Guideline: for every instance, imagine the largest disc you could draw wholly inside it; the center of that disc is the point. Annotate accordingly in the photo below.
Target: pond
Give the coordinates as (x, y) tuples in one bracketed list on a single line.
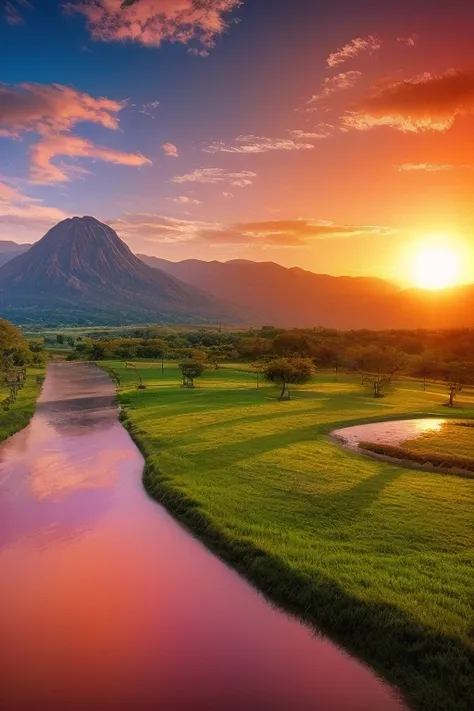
[(394, 432), (107, 603)]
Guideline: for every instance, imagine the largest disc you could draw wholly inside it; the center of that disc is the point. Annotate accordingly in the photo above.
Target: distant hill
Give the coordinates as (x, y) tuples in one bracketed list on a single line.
[(299, 298), (9, 250), (81, 272)]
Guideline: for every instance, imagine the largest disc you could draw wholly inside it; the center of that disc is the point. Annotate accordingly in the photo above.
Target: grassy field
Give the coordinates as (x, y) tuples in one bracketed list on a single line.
[(377, 556), (452, 439), (19, 414)]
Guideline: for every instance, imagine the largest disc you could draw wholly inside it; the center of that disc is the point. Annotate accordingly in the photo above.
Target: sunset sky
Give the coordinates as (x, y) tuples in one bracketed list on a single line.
[(333, 135)]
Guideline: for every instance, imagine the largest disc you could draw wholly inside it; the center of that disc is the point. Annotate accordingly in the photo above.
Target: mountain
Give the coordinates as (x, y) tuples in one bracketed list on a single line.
[(299, 298), (287, 297), (9, 250), (81, 272)]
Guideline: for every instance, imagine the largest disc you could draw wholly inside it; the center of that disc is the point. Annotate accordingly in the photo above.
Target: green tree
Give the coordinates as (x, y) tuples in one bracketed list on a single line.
[(191, 369), (286, 372), (59, 339)]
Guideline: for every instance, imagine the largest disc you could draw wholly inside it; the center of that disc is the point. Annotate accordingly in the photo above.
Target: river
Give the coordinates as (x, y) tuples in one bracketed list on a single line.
[(107, 603)]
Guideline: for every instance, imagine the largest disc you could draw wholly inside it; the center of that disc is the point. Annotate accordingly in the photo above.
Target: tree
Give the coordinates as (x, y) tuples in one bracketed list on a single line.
[(377, 366), (14, 356), (426, 366), (60, 339), (14, 350), (191, 369), (286, 372), (292, 343), (328, 355), (457, 376), (259, 368)]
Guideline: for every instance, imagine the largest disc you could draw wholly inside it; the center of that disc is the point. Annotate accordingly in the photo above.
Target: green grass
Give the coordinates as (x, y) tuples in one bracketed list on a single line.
[(453, 439), (377, 556), (22, 410)]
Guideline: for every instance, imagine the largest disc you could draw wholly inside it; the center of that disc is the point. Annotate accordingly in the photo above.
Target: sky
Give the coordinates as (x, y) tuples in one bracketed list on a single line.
[(334, 135)]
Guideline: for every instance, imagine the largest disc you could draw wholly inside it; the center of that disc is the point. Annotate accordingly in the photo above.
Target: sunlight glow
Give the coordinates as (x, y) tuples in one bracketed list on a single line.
[(436, 267)]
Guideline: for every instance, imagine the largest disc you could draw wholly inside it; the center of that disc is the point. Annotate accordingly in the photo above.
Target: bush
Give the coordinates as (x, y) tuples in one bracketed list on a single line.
[(436, 460)]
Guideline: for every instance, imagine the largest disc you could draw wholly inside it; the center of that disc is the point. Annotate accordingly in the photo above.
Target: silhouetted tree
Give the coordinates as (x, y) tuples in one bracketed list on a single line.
[(377, 366), (457, 376)]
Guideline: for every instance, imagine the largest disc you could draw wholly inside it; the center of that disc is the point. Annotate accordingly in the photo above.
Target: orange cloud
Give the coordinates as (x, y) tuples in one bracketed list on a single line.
[(273, 233), (45, 108), (286, 233), (43, 152), (357, 46), (151, 22), (425, 103), (432, 167), (170, 149)]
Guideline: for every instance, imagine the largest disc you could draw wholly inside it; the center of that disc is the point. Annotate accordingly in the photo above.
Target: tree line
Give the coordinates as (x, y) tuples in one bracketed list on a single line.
[(290, 357)]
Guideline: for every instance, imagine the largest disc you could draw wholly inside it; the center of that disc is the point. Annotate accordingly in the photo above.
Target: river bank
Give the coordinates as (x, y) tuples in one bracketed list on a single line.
[(16, 416), (364, 551)]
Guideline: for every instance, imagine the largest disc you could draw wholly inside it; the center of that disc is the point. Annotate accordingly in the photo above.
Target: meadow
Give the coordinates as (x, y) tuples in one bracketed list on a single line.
[(377, 556)]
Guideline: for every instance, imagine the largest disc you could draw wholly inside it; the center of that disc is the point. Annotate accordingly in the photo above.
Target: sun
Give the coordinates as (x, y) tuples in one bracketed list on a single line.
[(436, 267)]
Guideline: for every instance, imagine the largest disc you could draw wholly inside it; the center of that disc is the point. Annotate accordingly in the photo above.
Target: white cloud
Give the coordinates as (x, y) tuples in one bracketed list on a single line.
[(217, 175), (257, 144)]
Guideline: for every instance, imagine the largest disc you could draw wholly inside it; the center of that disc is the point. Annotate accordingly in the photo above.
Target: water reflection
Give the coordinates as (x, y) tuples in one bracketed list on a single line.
[(394, 432), (106, 603)]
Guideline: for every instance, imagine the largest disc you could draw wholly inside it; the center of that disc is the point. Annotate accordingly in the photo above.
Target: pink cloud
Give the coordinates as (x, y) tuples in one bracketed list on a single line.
[(43, 153), (19, 209), (171, 150), (425, 103), (184, 200), (46, 108), (357, 46), (151, 22)]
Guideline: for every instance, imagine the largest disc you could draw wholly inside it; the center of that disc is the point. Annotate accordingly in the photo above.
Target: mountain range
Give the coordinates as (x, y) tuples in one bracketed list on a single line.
[(298, 298), (82, 273)]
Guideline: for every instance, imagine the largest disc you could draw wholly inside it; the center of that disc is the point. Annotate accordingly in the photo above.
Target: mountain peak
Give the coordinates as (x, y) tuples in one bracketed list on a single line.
[(81, 264)]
